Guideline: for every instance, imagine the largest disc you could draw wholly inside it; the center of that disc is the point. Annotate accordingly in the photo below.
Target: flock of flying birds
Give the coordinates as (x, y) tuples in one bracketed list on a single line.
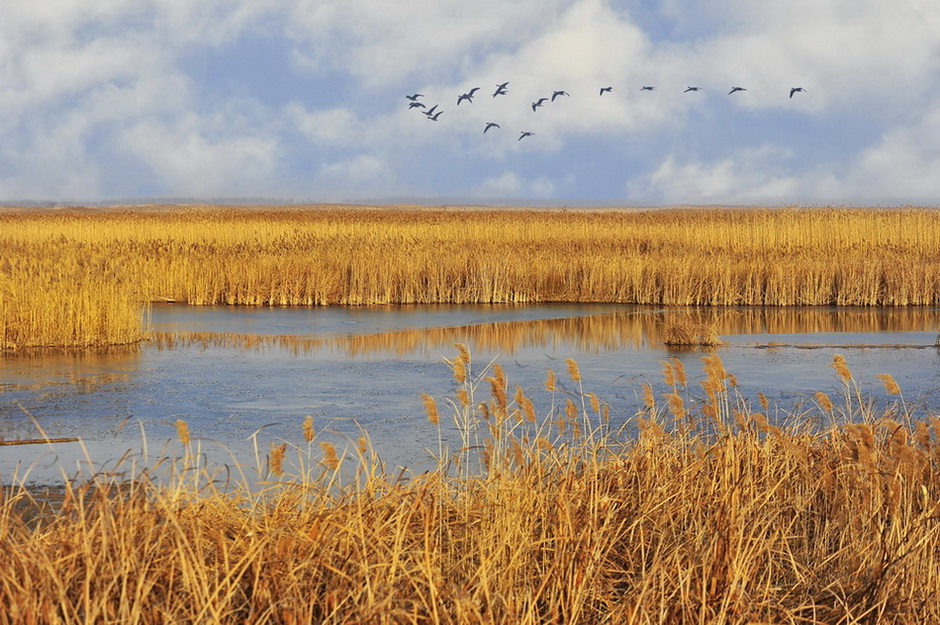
[(434, 113)]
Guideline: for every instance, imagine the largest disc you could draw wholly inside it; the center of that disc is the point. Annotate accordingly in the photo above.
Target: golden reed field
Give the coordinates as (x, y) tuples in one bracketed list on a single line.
[(84, 277), (707, 508), (712, 513)]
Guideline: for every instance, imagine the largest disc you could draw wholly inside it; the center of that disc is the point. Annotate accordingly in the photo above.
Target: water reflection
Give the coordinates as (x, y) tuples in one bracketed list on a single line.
[(634, 328)]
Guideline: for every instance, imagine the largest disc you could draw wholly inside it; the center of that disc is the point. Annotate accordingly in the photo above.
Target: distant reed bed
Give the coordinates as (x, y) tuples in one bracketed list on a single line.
[(82, 277), (715, 511)]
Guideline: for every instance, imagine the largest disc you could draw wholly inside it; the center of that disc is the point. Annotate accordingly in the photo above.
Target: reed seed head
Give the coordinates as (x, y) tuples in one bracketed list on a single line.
[(649, 400), (463, 354), (309, 432), (550, 381), (824, 402), (573, 372), (276, 459), (330, 459), (763, 401), (676, 405), (679, 370), (842, 369), (430, 407), (669, 376), (182, 431), (890, 384), (459, 367)]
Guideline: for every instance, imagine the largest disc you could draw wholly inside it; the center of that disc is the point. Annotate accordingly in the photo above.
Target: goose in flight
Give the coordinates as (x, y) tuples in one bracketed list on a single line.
[(646, 88), (430, 111), (539, 103), (415, 105), (736, 89), (434, 117), (501, 89), (692, 89), (414, 97), (525, 133), (606, 90), (467, 96), (796, 90), (555, 94), (490, 125)]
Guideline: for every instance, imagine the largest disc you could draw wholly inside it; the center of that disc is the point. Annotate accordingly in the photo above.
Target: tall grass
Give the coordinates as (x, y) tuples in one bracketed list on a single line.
[(715, 512), (336, 255)]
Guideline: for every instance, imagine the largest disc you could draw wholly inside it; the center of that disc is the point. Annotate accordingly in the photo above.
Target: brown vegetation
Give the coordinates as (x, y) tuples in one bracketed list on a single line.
[(713, 513), (82, 278)]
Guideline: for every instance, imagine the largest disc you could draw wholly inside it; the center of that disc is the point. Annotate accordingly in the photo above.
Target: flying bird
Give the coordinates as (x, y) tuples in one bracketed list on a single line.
[(692, 89), (490, 125), (606, 90), (539, 103), (430, 111), (467, 96), (795, 90), (434, 117), (646, 88), (555, 94), (500, 89), (414, 96), (525, 134), (735, 89), (415, 105)]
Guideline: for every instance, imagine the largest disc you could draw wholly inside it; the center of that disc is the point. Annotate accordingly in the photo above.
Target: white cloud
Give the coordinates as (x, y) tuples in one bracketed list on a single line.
[(750, 177), (902, 166), (195, 156), (506, 185), (336, 126), (355, 177), (383, 42), (90, 87)]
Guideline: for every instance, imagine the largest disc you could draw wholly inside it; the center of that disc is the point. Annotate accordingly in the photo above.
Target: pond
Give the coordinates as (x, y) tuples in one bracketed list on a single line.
[(245, 378)]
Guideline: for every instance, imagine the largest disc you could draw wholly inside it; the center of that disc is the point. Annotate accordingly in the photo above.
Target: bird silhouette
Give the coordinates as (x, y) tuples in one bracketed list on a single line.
[(430, 111), (525, 134), (555, 94), (539, 103), (795, 90), (736, 89), (500, 89), (415, 105), (434, 117), (467, 96), (692, 89), (646, 88), (606, 90), (414, 96), (490, 125)]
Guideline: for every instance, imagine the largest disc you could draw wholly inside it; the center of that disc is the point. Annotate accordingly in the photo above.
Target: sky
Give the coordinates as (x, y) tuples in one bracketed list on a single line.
[(304, 101)]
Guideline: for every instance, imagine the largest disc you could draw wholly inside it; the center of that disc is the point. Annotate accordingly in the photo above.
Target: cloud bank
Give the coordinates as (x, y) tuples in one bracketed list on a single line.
[(304, 100)]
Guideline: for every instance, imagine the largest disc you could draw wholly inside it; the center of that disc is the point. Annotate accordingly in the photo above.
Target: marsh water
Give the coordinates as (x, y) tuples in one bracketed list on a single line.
[(245, 378)]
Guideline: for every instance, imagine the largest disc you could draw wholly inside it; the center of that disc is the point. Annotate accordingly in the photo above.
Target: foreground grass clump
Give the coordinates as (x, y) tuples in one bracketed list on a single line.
[(710, 514), (107, 265)]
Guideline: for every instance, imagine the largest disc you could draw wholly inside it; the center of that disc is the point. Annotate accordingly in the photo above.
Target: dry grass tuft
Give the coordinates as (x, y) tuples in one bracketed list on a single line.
[(687, 333)]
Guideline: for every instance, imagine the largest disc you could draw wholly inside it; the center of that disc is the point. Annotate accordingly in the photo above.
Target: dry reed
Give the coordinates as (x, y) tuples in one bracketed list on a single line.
[(85, 277), (739, 521)]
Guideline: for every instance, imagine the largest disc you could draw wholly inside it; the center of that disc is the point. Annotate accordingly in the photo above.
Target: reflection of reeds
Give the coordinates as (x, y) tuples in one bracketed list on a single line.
[(711, 513), (78, 278), (633, 328)]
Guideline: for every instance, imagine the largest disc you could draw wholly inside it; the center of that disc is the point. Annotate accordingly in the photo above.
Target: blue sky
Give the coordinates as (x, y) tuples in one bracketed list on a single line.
[(303, 100)]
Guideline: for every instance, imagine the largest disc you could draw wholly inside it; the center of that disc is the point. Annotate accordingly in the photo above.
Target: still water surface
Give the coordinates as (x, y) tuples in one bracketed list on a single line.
[(230, 371)]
